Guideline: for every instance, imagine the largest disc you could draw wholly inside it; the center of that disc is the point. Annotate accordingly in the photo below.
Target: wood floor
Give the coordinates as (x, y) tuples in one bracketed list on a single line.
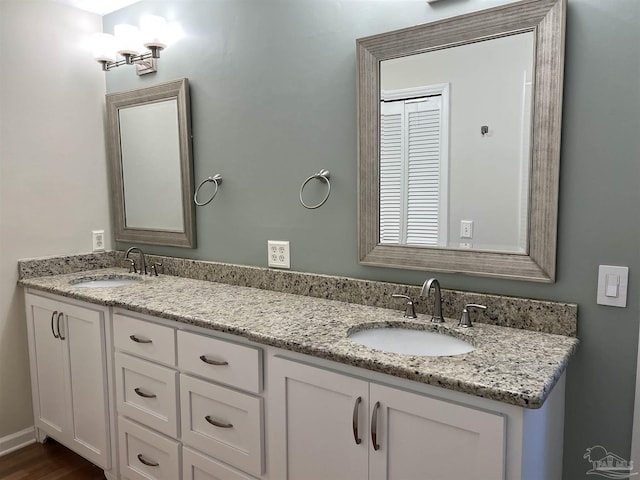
[(48, 461)]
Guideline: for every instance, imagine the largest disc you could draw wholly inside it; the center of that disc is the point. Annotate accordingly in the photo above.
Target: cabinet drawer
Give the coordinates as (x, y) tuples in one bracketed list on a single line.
[(147, 455), (145, 339), (225, 362), (196, 466), (222, 423), (148, 393)]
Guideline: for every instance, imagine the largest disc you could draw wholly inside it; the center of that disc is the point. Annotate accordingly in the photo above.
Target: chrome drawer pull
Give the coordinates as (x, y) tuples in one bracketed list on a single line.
[(53, 315), (143, 394), (139, 340), (148, 463), (216, 423), (354, 425), (212, 362), (374, 427)]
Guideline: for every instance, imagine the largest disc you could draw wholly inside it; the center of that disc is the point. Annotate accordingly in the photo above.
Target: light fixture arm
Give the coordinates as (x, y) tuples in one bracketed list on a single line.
[(132, 59)]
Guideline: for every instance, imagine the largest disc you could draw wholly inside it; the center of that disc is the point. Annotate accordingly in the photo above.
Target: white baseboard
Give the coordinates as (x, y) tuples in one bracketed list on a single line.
[(16, 441)]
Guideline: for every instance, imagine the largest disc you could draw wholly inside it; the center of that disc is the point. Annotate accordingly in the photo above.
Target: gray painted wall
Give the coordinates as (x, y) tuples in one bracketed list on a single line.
[(274, 100)]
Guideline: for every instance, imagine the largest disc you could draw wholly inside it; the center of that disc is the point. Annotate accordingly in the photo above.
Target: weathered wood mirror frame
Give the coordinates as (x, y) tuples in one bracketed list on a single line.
[(178, 90), (546, 19)]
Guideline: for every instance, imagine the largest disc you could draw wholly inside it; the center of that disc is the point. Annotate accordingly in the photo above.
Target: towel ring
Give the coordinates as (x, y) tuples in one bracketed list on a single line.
[(217, 179), (321, 175)]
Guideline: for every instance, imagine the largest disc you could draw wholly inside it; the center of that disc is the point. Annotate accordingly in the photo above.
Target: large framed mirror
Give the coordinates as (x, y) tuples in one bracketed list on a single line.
[(459, 143), (151, 165)]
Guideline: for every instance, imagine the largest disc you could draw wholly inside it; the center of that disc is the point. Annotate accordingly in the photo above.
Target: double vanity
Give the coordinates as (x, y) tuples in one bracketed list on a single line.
[(170, 377), (213, 371)]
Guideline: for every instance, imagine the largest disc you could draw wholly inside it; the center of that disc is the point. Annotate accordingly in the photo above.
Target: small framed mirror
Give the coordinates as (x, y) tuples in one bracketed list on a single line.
[(151, 165), (459, 143)]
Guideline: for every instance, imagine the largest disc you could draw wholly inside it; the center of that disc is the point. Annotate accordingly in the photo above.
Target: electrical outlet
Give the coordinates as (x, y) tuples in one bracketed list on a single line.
[(278, 252), (97, 240), (466, 228)]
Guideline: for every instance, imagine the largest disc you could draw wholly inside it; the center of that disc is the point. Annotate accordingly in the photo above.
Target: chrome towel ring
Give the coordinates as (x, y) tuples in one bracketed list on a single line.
[(321, 175), (217, 179)]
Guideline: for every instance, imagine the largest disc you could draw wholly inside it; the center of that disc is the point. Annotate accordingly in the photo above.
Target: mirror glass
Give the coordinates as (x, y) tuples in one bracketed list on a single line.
[(151, 165), (459, 126), (455, 146)]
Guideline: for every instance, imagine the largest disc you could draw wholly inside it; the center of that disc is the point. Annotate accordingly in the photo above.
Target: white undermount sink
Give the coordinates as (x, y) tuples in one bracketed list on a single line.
[(105, 281), (410, 341)]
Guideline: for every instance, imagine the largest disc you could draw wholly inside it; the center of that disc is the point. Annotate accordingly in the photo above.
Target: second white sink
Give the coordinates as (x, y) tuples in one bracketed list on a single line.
[(411, 342), (108, 281)]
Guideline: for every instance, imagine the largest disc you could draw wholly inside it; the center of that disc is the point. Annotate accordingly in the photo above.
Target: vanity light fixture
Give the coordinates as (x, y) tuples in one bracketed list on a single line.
[(130, 42)]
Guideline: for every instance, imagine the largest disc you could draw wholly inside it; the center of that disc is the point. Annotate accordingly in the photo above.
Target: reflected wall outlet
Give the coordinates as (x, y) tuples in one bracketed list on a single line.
[(466, 228), (278, 252), (97, 240)]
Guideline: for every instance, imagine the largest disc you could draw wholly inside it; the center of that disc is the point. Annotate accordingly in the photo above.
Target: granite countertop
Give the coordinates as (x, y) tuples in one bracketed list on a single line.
[(510, 365)]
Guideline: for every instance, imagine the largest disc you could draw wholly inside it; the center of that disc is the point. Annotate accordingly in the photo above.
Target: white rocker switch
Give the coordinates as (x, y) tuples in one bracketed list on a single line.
[(612, 285)]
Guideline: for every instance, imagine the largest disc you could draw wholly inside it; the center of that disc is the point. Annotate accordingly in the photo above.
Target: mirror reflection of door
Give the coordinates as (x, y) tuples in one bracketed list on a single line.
[(414, 166), (478, 195)]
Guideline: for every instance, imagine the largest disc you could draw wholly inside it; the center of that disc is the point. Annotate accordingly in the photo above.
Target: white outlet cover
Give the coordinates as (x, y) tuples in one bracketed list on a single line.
[(278, 254), (97, 240), (466, 228)]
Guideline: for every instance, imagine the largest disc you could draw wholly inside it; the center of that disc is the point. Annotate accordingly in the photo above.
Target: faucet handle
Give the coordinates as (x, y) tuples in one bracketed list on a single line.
[(132, 266), (410, 311), (154, 268), (465, 320)]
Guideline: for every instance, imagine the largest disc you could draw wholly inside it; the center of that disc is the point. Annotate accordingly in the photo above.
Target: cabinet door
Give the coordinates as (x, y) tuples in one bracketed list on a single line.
[(68, 370), (47, 366), (83, 331), (430, 439), (313, 411)]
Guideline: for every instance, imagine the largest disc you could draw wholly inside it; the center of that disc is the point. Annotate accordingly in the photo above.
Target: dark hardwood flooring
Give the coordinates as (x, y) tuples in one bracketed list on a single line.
[(48, 461)]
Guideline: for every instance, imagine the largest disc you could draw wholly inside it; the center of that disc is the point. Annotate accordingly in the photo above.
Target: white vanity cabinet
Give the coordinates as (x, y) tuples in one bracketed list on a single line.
[(188, 404), (147, 399), (195, 404), (68, 361), (225, 423), (340, 427)]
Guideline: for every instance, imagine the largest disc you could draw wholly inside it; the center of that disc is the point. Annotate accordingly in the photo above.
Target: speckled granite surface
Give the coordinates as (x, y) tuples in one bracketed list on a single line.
[(536, 315), (56, 265), (510, 365)]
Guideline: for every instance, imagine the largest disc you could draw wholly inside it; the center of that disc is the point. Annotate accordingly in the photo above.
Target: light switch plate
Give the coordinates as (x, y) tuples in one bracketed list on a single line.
[(612, 285)]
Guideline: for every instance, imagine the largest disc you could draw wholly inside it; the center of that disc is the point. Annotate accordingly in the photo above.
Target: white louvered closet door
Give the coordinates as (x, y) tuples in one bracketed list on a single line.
[(410, 172), (423, 171), (392, 172)]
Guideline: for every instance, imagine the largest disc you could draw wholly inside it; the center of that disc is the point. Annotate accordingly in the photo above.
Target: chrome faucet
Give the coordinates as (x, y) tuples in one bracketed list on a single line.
[(143, 268), (437, 301)]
